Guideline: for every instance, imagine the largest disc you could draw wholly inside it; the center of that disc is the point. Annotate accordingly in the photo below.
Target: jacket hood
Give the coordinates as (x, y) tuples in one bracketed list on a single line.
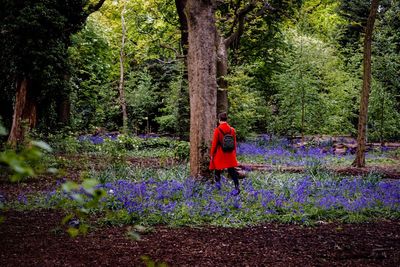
[(225, 127)]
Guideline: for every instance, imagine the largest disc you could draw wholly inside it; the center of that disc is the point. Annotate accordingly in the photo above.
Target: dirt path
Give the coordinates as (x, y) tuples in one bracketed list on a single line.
[(29, 239)]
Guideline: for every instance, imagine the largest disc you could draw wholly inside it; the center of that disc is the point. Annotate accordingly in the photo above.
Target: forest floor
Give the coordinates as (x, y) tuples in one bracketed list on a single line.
[(35, 238)]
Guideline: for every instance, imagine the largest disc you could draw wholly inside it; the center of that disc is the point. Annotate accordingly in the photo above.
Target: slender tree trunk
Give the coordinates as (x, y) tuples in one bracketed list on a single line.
[(64, 109), (382, 119), (121, 89), (202, 82), (362, 119), (222, 71), (183, 117), (63, 106), (303, 111), (223, 44), (303, 93)]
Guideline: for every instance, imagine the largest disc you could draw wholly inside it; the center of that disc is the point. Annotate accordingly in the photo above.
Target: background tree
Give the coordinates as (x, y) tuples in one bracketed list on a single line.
[(268, 94), (362, 119), (93, 77), (384, 107), (151, 67), (121, 89), (313, 79), (234, 18), (34, 41)]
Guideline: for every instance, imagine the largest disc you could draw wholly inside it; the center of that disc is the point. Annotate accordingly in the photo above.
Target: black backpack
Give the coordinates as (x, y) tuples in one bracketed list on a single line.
[(228, 142)]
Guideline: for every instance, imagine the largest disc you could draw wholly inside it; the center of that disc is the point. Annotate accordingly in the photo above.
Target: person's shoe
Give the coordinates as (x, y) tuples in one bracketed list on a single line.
[(218, 185), (217, 179), (236, 191)]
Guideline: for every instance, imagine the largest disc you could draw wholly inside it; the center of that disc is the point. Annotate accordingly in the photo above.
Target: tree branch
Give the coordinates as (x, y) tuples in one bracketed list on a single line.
[(94, 7), (265, 7), (167, 62), (177, 54), (311, 10), (242, 17), (180, 6), (239, 15)]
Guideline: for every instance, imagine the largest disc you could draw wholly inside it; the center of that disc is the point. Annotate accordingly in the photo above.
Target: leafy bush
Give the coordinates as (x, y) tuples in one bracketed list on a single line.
[(247, 109), (182, 150), (27, 161), (383, 116), (313, 79)]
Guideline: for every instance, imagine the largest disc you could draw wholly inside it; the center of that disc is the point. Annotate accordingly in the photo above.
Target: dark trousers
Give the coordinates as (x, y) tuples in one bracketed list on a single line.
[(232, 173)]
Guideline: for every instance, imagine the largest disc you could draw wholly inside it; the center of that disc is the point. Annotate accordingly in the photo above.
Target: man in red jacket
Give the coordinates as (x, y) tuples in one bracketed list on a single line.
[(221, 159)]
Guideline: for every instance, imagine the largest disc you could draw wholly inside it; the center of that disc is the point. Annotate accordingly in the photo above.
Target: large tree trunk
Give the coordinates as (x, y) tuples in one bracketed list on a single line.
[(222, 71), (202, 82), (362, 119), (25, 109), (121, 88)]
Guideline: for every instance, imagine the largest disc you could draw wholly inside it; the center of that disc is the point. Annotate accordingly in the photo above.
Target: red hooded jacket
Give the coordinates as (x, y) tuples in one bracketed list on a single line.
[(219, 159)]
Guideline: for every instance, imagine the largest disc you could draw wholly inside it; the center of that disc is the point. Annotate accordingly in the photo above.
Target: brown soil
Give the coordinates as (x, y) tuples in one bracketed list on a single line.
[(32, 239), (153, 162), (11, 191)]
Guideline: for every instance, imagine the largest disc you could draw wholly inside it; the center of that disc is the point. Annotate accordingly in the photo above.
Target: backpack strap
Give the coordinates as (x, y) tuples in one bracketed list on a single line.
[(220, 139), (230, 130)]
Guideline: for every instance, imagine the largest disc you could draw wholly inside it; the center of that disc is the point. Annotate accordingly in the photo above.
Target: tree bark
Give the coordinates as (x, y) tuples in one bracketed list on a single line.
[(202, 82), (303, 111), (25, 109), (303, 93), (362, 119), (382, 132), (121, 89), (29, 115), (64, 109)]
